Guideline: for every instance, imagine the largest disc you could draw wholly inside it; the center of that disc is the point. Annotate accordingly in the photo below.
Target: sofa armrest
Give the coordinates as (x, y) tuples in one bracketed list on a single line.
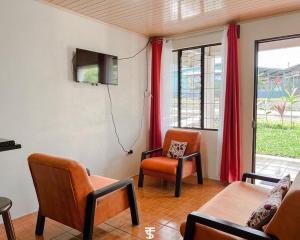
[(224, 226), (259, 177), (144, 154)]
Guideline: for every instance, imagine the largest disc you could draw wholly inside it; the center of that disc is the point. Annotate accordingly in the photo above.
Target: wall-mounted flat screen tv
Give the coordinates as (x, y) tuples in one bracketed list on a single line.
[(93, 67)]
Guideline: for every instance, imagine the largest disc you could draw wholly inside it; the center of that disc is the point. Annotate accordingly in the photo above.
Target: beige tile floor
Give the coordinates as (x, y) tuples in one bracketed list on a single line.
[(277, 166), (157, 208)]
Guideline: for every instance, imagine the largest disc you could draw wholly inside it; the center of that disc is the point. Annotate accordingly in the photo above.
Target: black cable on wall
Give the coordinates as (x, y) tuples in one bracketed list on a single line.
[(130, 151)]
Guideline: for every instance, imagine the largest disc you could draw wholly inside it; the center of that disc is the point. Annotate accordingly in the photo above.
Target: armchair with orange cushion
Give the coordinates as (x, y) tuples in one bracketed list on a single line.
[(174, 169), (67, 194)]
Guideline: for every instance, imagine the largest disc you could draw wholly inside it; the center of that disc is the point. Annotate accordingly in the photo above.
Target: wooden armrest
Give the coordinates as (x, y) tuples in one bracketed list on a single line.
[(224, 226), (144, 154), (259, 177)]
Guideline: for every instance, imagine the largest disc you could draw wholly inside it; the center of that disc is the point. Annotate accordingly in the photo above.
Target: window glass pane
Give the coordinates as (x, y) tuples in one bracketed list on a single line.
[(212, 84), (190, 91), (186, 104), (174, 100)]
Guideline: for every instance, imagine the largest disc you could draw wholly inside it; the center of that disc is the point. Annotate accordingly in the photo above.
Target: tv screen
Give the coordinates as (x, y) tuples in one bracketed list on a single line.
[(93, 68)]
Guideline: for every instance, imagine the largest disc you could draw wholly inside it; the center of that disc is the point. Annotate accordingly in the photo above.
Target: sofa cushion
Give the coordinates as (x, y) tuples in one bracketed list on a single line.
[(176, 149), (235, 204), (263, 214), (282, 186), (285, 223)]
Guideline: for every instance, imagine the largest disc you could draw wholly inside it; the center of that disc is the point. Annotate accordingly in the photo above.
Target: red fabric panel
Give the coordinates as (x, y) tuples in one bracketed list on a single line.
[(231, 159), (155, 126)]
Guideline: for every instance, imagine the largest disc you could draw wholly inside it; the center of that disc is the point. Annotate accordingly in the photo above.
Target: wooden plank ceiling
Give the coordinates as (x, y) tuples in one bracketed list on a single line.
[(168, 17)]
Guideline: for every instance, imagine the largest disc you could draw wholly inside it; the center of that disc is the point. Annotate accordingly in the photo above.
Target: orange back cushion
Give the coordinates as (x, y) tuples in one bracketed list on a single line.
[(285, 223), (193, 139), (62, 187)]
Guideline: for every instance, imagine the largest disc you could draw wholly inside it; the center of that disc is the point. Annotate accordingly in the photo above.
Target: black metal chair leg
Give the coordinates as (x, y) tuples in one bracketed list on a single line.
[(141, 179), (199, 169), (178, 188), (40, 224), (89, 217), (178, 179), (133, 205), (88, 233)]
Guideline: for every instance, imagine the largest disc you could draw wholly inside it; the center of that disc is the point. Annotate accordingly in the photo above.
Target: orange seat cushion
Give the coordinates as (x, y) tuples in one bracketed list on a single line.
[(160, 164), (235, 204), (166, 165), (100, 182)]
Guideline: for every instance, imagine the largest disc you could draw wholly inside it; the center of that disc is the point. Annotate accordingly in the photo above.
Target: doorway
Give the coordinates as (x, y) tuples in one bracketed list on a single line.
[(276, 125)]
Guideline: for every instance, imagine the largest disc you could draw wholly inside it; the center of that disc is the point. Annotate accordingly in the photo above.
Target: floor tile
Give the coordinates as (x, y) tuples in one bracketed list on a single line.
[(157, 205)]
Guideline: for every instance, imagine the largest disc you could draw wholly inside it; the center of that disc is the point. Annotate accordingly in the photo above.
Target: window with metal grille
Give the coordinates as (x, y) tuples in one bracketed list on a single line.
[(197, 77)]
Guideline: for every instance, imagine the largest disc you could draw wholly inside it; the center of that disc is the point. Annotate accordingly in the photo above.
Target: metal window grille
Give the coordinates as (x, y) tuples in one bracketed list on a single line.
[(197, 76)]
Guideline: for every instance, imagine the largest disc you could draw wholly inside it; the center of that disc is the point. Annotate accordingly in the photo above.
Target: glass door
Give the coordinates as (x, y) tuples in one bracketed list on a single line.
[(277, 107)]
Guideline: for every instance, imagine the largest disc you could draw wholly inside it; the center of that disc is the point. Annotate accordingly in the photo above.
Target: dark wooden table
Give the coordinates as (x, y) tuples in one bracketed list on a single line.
[(5, 205), (6, 145)]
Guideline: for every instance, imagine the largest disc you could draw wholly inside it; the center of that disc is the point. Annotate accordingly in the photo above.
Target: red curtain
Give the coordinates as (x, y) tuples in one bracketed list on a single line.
[(155, 127), (231, 159)]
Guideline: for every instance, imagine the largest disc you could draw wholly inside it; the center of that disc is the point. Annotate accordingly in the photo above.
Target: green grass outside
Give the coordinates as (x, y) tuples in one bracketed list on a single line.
[(273, 139)]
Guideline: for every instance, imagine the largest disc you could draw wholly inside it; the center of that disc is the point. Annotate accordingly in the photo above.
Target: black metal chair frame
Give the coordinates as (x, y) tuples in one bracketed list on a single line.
[(226, 226), (181, 160)]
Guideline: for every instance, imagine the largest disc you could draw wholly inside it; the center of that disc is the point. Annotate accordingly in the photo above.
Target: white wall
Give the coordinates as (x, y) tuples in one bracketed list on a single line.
[(250, 31), (44, 110)]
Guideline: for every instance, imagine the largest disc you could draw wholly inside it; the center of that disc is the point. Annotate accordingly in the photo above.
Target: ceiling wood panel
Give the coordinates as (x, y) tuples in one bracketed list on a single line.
[(168, 17)]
